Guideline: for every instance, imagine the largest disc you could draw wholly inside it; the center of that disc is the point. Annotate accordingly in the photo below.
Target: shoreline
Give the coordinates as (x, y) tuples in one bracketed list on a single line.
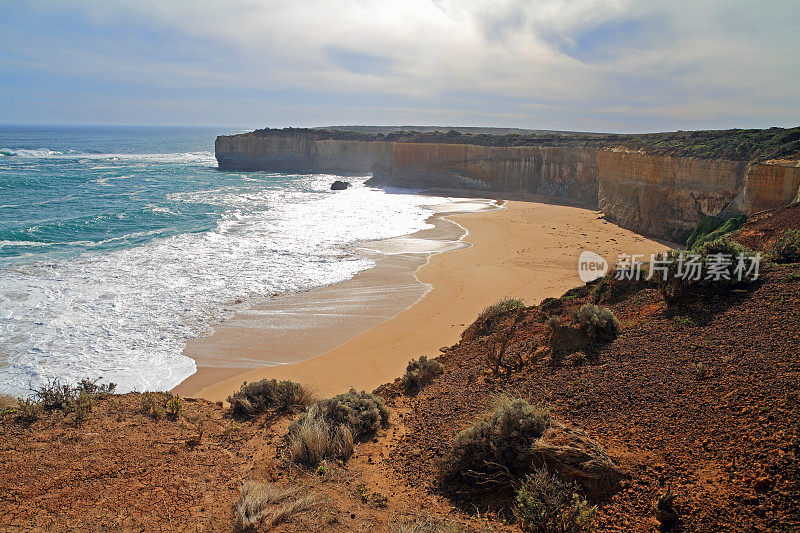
[(527, 250), (297, 326)]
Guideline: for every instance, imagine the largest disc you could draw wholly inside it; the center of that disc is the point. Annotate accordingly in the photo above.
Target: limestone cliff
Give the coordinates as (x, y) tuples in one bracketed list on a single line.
[(659, 195)]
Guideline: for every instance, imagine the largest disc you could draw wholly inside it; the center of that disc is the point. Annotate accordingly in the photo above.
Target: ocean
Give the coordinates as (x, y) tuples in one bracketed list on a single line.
[(119, 244)]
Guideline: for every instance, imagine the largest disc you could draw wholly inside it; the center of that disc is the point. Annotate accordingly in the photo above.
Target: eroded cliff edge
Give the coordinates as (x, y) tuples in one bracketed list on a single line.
[(655, 194)]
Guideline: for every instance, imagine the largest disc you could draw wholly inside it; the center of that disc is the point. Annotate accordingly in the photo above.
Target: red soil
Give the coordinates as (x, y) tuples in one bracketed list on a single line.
[(704, 404)]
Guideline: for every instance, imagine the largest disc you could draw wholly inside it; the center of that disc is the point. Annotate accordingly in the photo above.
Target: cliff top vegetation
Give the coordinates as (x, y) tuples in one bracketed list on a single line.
[(733, 144)]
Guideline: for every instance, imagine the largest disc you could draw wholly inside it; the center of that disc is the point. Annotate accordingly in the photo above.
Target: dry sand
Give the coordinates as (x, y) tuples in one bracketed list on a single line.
[(528, 250)]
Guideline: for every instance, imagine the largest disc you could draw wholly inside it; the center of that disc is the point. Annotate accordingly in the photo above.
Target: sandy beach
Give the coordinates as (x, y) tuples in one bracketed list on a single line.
[(526, 249)]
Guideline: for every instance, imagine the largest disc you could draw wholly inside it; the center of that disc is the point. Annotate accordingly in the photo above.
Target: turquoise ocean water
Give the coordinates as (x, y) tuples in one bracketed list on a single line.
[(118, 244)]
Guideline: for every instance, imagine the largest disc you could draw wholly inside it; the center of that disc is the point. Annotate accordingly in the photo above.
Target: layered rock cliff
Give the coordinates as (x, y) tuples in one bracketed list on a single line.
[(654, 194)]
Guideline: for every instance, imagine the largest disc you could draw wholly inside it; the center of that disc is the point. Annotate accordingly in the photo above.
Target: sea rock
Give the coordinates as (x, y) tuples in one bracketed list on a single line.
[(340, 185)]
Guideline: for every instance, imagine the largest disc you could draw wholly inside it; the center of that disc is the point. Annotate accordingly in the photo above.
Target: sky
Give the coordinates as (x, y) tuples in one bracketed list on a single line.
[(580, 65)]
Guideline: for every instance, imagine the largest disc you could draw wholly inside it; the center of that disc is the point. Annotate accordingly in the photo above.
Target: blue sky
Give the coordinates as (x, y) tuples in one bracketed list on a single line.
[(587, 65)]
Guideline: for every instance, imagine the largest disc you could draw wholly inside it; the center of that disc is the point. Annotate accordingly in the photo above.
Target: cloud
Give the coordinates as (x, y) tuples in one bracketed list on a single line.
[(545, 63)]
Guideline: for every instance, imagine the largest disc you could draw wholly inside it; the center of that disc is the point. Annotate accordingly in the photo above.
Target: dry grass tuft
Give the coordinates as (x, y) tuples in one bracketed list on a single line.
[(267, 505), (424, 524), (313, 438)]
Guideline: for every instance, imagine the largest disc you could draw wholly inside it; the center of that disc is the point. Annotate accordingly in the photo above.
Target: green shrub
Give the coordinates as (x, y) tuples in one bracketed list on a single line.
[(496, 446), (174, 407), (675, 287), (328, 428), (546, 504), (362, 412), (599, 323), (723, 245), (707, 225), (712, 228), (506, 304), (419, 373), (153, 404), (57, 395), (253, 399), (82, 406), (787, 248)]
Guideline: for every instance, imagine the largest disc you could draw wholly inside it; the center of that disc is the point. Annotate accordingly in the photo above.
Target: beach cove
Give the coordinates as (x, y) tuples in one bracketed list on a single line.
[(417, 299)]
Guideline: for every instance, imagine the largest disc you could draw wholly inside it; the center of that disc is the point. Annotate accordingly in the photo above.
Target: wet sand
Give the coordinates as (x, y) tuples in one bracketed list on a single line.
[(361, 333)]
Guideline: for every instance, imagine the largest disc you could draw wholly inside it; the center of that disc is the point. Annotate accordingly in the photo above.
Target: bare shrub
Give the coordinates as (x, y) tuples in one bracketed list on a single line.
[(253, 399), (496, 448), (546, 504), (28, 410), (265, 505), (95, 390), (55, 395), (419, 373), (598, 323)]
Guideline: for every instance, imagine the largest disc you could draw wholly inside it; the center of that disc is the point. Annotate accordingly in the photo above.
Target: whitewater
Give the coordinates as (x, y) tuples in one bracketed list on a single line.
[(117, 245)]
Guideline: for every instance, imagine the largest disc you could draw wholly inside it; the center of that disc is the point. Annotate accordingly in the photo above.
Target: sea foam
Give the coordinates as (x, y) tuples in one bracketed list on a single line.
[(125, 314)]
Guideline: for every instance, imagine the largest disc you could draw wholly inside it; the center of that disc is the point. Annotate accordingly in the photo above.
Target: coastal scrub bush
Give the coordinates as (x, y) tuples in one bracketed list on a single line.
[(362, 412), (57, 395), (599, 323), (419, 373), (329, 427), (28, 410), (546, 504), (675, 287), (264, 505), (496, 448), (506, 304), (787, 248), (95, 390), (712, 228), (723, 245), (253, 399), (482, 325), (153, 405), (174, 407)]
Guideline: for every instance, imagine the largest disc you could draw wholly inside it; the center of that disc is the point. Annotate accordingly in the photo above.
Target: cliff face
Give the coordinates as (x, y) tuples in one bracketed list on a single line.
[(298, 154), (660, 195), (653, 194)]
